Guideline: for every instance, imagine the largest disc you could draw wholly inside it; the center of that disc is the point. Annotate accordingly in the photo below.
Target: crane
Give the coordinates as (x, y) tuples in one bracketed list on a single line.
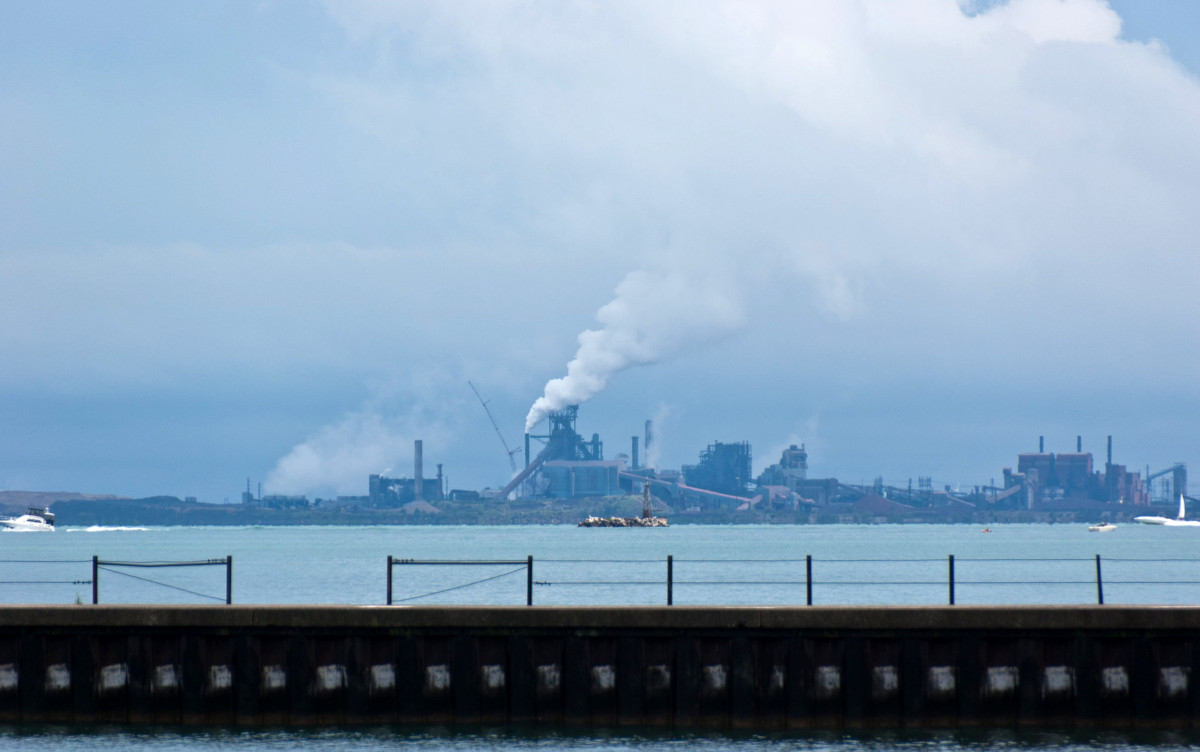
[(511, 452)]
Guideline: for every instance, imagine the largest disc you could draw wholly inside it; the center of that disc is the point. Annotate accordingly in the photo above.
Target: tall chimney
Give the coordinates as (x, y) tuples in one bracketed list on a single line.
[(1078, 444), (440, 493), (528, 459), (635, 465), (418, 470), (1041, 445), (1109, 450)]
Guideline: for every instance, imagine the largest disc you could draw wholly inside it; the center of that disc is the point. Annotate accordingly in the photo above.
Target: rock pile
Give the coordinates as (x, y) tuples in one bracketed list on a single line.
[(623, 522)]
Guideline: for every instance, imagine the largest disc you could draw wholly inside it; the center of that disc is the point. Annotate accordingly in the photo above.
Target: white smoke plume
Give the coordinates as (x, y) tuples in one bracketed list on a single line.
[(654, 447), (339, 457), (655, 315)]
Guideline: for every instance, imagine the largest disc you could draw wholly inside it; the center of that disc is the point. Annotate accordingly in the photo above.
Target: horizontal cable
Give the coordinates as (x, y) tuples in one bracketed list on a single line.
[(741, 561), (482, 563), (600, 582), (45, 582), (603, 561), (741, 582), (960, 559), (45, 561), (1155, 561), (1151, 582), (1027, 582), (155, 564)]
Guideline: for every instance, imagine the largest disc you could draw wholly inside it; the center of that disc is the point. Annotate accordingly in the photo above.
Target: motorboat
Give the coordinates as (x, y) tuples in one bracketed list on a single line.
[(1179, 521), (1103, 527), (35, 519)]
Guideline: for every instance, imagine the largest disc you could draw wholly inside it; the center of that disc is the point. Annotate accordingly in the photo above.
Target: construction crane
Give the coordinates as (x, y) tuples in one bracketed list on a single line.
[(511, 460)]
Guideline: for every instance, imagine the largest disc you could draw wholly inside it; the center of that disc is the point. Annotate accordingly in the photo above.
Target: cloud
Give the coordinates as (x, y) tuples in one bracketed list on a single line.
[(936, 192)]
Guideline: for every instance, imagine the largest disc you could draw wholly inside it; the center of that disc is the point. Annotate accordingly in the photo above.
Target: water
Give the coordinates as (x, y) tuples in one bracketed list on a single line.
[(446, 739), (347, 565), (751, 564)]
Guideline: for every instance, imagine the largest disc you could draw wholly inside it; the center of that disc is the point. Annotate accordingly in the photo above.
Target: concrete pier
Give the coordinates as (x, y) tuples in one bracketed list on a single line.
[(768, 667)]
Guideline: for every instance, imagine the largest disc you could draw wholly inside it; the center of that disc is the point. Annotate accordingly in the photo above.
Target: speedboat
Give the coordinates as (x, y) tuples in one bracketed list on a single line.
[(1103, 527), (1167, 521), (35, 519)]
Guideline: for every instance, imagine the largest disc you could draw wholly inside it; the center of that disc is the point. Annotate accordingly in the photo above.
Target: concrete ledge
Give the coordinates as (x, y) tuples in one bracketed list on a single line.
[(990, 618)]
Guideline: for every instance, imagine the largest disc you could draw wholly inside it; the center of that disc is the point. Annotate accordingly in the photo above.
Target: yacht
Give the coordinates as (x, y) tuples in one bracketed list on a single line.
[(1167, 521), (34, 519)]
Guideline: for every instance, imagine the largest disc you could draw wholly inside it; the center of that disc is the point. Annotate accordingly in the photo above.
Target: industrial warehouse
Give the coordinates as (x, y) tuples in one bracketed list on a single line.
[(568, 473)]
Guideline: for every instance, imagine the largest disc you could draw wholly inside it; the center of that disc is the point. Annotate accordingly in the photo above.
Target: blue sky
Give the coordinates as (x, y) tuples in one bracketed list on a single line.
[(275, 240)]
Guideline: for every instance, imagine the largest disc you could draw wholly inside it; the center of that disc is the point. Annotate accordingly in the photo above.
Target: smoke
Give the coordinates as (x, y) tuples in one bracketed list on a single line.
[(338, 458), (654, 316), (654, 447)]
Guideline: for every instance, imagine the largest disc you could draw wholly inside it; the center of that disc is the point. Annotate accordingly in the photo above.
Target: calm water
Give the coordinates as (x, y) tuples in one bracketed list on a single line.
[(713, 565), (752, 564)]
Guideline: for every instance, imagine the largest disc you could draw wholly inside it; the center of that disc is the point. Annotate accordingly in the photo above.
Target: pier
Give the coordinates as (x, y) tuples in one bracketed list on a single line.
[(682, 666)]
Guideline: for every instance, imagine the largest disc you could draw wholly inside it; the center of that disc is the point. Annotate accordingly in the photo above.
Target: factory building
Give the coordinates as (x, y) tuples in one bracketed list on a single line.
[(723, 468), (1046, 479), (384, 492), (790, 475), (567, 465), (570, 479)]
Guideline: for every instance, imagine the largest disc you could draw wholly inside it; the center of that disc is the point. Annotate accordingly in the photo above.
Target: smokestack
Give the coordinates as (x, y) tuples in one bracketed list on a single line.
[(528, 459), (418, 470), (1109, 450), (1041, 445), (635, 465), (1078, 444), (440, 495)]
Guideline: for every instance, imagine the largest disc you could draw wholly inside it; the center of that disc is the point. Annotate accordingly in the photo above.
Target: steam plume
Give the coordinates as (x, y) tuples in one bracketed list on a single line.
[(654, 316)]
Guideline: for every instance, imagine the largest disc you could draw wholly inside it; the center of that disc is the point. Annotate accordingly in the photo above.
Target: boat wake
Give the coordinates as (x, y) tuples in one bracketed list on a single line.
[(105, 529)]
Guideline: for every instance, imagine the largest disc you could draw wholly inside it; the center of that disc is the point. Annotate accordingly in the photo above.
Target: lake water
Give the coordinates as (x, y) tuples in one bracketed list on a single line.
[(877, 564), (751, 564)]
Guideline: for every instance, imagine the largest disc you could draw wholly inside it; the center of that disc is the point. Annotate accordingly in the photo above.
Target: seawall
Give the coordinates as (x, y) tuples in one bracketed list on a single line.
[(752, 667)]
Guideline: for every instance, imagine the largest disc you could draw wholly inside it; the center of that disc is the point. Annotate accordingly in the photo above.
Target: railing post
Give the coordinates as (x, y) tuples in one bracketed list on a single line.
[(808, 578), (389, 580), (1099, 583), (670, 580), (529, 581), (95, 580), (228, 579), (951, 579)]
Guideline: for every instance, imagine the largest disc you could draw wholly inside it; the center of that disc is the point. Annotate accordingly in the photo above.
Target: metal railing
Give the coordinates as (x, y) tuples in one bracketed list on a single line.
[(115, 567), (828, 580), (804, 580), (527, 565)]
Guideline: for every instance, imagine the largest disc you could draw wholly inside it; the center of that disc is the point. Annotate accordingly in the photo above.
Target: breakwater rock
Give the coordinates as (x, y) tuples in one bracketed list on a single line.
[(623, 522)]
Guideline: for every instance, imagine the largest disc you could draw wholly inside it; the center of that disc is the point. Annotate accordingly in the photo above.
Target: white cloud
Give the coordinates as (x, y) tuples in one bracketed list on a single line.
[(892, 190)]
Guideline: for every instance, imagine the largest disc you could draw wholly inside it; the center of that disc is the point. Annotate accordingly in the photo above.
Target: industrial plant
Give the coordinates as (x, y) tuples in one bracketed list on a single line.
[(564, 466)]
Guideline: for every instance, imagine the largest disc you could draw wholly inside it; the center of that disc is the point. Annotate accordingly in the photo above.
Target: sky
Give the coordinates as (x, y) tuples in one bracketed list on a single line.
[(274, 241)]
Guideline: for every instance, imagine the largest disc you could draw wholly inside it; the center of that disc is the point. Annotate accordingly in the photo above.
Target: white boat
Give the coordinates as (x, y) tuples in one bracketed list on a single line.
[(1103, 527), (35, 519), (1167, 521)]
